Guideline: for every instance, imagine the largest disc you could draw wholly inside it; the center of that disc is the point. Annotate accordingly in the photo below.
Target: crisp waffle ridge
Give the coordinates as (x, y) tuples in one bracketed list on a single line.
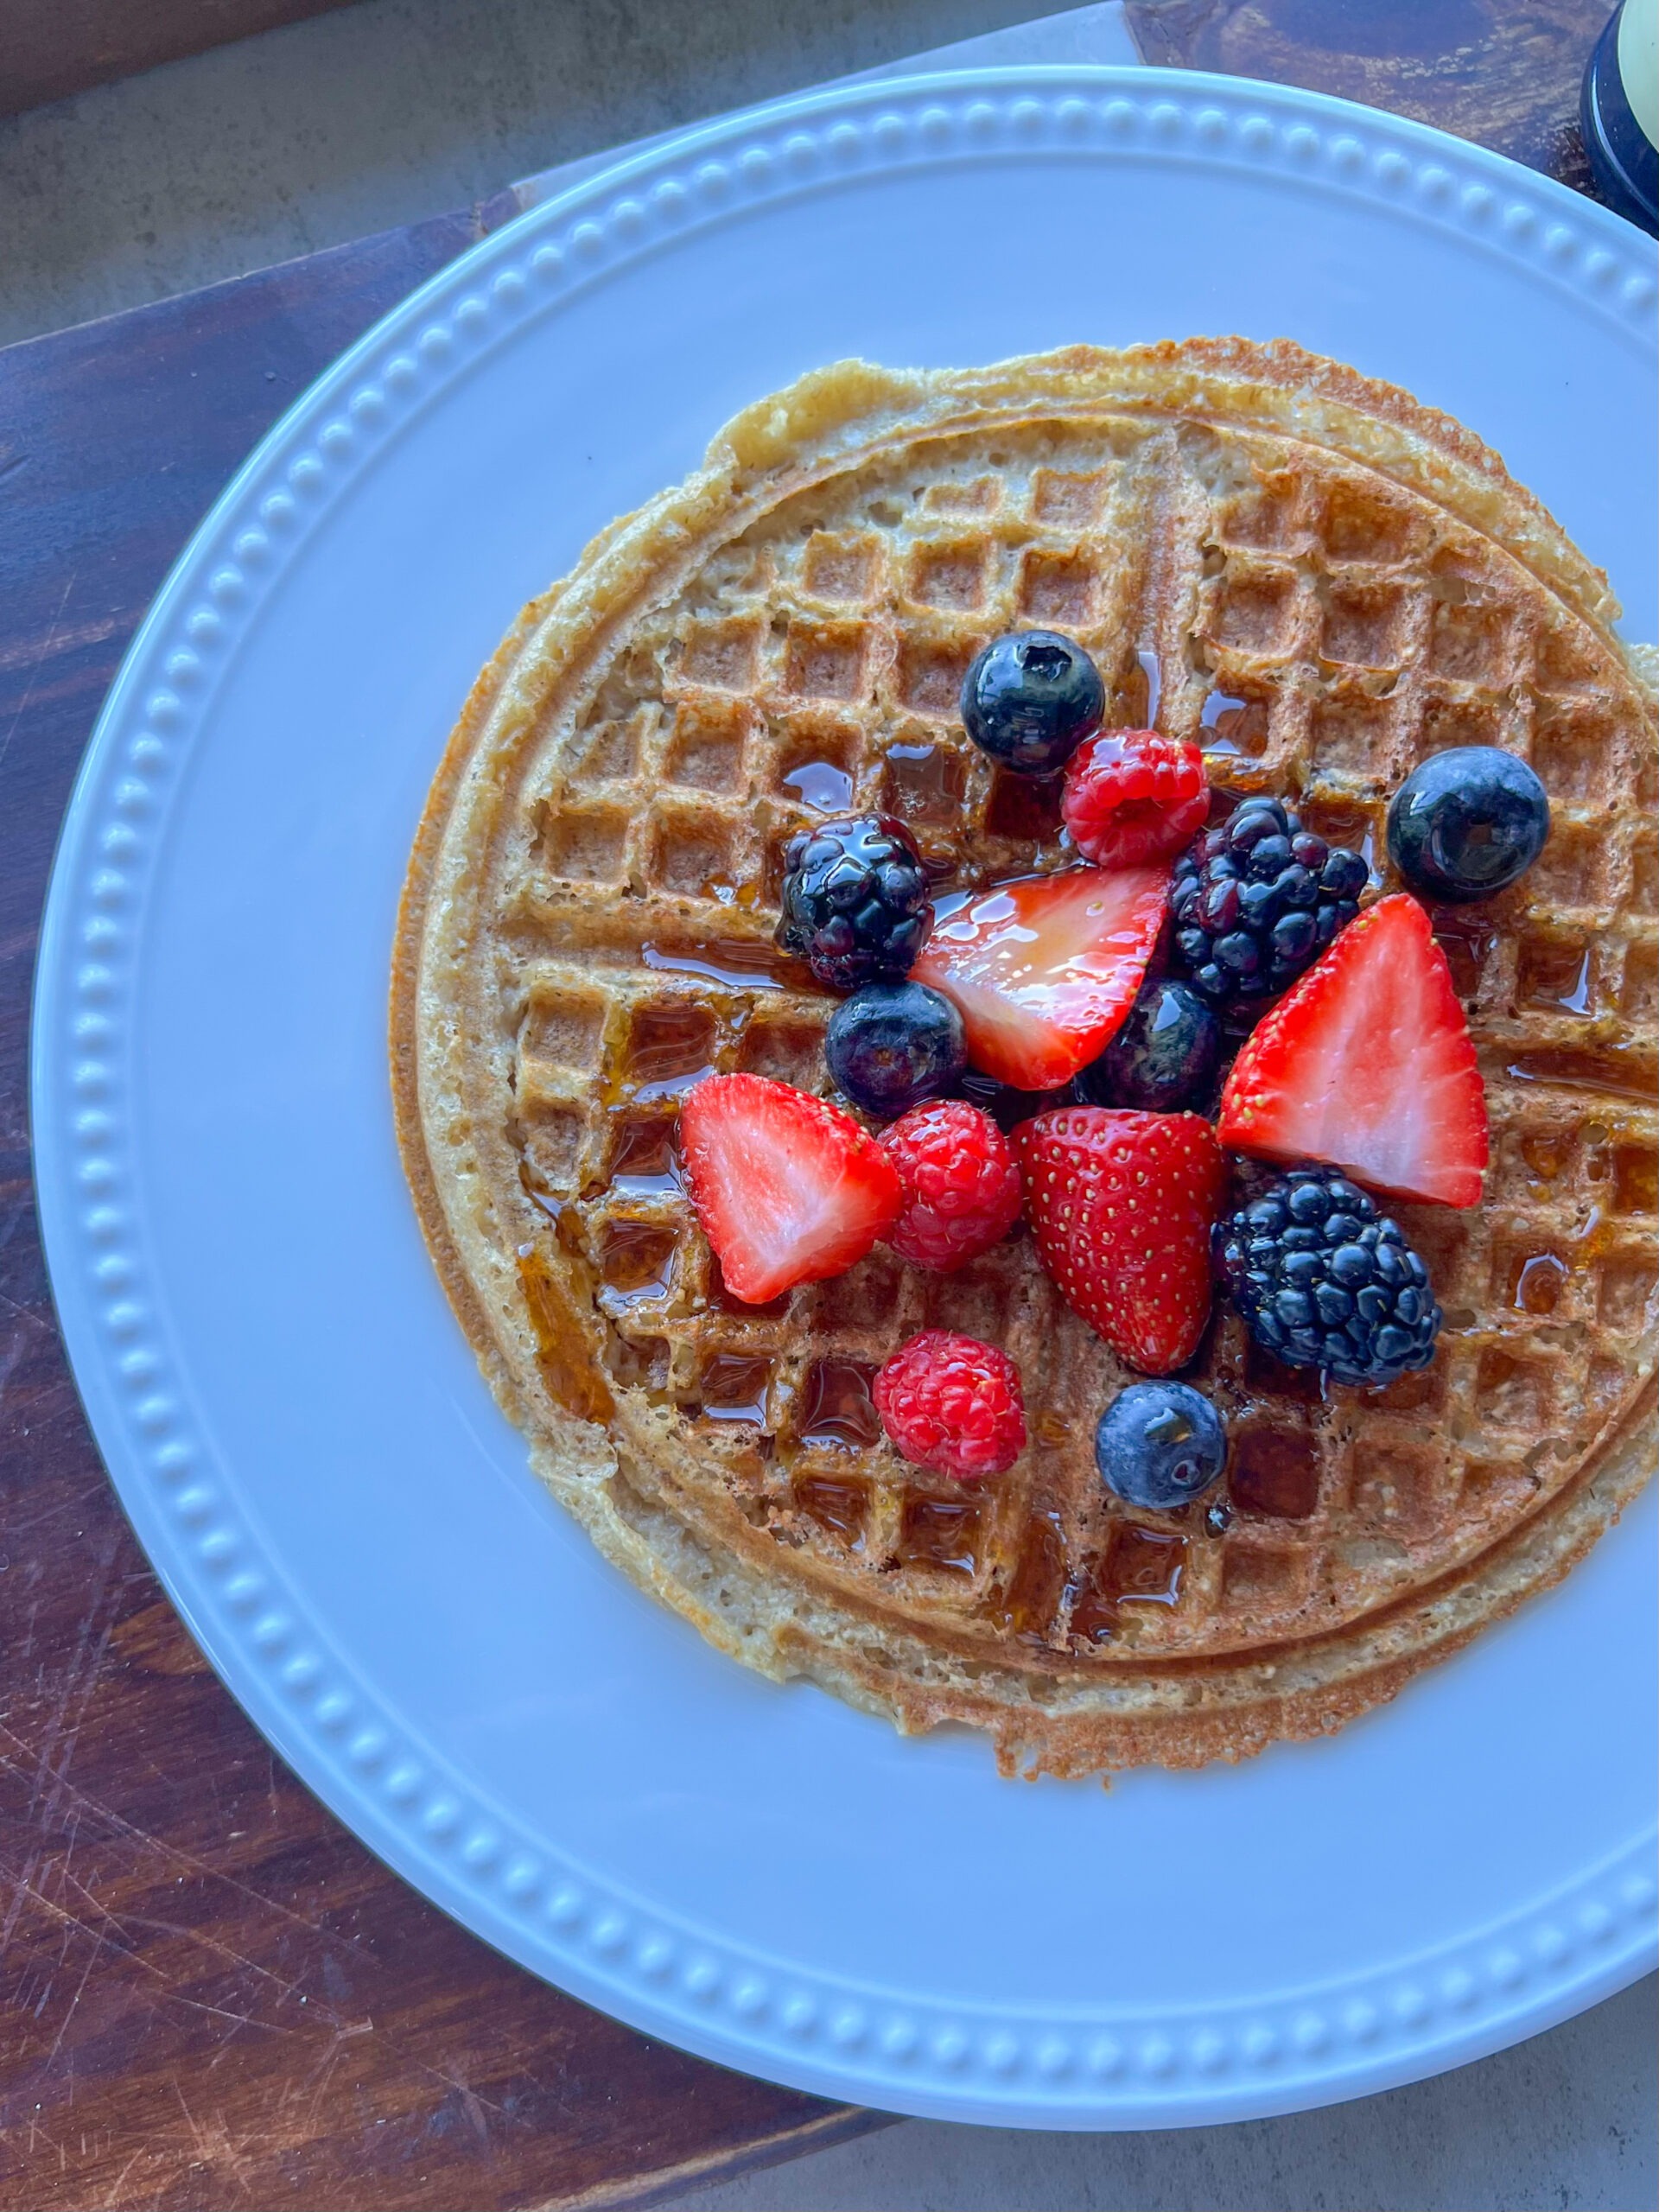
[(1319, 582)]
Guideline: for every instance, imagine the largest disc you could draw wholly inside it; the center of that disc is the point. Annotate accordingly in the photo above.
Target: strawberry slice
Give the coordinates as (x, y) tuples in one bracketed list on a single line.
[(788, 1188), (1122, 1205), (1366, 1062), (1043, 971)]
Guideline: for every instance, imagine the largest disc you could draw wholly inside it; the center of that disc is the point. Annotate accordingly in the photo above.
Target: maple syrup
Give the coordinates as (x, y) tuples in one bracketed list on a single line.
[(1547, 1154), (1143, 690), (1347, 826), (1536, 1280), (1032, 1595), (840, 1508), (535, 1188), (1143, 1565), (1635, 1179), (1276, 1473), (1615, 1069), (1025, 808), (644, 1159), (1466, 940), (562, 1214), (636, 1260), (1094, 1615), (640, 1364), (670, 1050), (733, 1387), (568, 1366), (824, 785), (924, 784), (741, 963), (728, 1301), (1554, 976), (836, 1408), (1234, 726), (939, 1533), (1274, 1379)]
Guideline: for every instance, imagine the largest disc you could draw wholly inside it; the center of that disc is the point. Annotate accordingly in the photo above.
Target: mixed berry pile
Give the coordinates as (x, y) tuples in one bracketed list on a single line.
[(1100, 1049)]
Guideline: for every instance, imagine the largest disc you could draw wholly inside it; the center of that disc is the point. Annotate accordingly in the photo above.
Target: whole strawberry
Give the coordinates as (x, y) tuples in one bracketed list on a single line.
[(961, 1181), (1133, 796), (1122, 1205), (953, 1404)]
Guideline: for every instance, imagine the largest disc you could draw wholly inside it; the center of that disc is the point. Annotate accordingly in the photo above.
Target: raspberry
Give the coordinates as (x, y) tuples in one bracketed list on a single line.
[(961, 1183), (953, 1404), (1133, 796)]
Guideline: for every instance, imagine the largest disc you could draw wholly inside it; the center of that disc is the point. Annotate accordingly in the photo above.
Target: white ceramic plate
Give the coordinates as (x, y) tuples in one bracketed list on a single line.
[(290, 1414)]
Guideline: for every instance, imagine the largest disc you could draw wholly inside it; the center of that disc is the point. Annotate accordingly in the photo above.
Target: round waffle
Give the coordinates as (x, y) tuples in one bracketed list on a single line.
[(1321, 582)]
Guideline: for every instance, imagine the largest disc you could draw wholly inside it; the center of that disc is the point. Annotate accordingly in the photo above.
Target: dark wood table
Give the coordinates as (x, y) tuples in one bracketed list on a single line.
[(214, 1995)]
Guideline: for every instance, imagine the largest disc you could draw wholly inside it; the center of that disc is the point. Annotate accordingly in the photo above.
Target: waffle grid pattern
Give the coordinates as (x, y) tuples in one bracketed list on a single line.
[(1319, 635)]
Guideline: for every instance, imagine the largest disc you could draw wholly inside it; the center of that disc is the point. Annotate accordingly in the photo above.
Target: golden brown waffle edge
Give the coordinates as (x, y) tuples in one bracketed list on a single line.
[(1320, 581)]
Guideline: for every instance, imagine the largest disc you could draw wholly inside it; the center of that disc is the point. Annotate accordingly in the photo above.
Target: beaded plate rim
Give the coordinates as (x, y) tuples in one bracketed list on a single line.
[(1161, 2066)]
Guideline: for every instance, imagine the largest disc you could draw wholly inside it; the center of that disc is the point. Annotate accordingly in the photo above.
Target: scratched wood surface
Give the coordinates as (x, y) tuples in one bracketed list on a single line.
[(1503, 72), (210, 1994)]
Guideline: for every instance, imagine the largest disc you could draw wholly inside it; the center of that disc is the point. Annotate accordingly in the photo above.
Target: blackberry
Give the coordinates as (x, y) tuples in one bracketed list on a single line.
[(854, 899), (1322, 1281), (1257, 898)]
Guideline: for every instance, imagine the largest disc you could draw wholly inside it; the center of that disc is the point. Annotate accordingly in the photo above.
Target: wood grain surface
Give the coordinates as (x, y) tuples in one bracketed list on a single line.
[(212, 1995), (1503, 72)]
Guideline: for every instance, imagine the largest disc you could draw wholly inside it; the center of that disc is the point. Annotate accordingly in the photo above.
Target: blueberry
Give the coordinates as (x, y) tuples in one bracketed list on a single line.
[(1467, 823), (890, 1046), (1031, 698), (1160, 1444), (1163, 1058)]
